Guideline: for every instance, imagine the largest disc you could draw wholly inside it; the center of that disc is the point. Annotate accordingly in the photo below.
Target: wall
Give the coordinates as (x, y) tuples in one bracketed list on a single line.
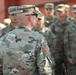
[(37, 2), (10, 3), (2, 10), (40, 3), (4, 4), (71, 3)]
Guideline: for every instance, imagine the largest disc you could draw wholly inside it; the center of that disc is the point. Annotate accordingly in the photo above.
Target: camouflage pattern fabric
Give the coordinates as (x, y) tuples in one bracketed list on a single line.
[(58, 29), (3, 32), (6, 30), (50, 37), (70, 18), (49, 21), (70, 47), (25, 52)]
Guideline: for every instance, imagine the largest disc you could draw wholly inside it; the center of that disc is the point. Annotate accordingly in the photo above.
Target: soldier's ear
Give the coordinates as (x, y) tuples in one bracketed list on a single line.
[(29, 17)]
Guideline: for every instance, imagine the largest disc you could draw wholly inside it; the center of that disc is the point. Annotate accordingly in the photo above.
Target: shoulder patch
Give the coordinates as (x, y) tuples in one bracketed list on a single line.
[(47, 49)]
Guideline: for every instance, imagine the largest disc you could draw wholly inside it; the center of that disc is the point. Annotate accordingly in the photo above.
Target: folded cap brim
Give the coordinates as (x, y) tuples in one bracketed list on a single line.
[(16, 12), (49, 7), (59, 9)]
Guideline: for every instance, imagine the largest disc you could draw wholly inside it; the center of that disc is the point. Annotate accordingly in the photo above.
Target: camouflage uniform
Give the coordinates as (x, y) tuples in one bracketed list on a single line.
[(46, 32), (58, 29), (6, 30), (2, 33), (70, 18), (11, 10), (25, 52), (49, 21), (67, 7), (70, 46), (50, 37)]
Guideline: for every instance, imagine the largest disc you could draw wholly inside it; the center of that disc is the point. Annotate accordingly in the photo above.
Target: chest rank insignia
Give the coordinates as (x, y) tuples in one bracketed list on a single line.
[(17, 39), (31, 40)]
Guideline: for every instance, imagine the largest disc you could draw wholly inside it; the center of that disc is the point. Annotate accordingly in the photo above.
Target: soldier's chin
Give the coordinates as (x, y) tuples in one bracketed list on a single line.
[(49, 14)]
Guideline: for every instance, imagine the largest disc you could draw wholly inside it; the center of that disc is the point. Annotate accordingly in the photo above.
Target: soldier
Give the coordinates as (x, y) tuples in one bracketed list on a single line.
[(74, 13), (70, 45), (49, 12), (67, 12), (25, 52), (47, 33), (13, 18), (58, 29)]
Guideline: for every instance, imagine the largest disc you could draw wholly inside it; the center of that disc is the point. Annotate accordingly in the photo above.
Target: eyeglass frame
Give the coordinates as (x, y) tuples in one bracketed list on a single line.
[(34, 14)]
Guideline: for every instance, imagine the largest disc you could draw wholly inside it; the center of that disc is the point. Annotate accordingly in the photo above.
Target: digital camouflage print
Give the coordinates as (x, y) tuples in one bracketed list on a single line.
[(25, 52)]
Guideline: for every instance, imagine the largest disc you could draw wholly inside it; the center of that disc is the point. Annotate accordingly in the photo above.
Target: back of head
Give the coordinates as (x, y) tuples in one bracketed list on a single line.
[(29, 14)]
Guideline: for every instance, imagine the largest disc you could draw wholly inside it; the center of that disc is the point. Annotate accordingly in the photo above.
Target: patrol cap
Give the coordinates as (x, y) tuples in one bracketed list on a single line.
[(74, 8), (67, 7), (49, 5), (40, 16), (60, 7), (28, 8), (12, 10)]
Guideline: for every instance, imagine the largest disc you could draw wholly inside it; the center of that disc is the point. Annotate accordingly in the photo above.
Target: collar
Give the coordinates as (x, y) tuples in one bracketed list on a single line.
[(24, 27)]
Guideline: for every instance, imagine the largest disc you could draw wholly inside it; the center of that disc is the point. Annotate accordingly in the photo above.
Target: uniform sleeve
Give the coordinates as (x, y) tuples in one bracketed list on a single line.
[(2, 32), (67, 42), (1, 55), (51, 42), (52, 28), (43, 58)]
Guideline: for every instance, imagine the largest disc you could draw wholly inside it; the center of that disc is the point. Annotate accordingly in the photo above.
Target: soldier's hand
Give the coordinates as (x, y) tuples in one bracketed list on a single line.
[(70, 61)]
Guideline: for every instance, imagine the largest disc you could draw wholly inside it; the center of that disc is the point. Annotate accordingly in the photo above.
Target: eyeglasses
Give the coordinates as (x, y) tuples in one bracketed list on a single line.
[(13, 14), (34, 14)]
